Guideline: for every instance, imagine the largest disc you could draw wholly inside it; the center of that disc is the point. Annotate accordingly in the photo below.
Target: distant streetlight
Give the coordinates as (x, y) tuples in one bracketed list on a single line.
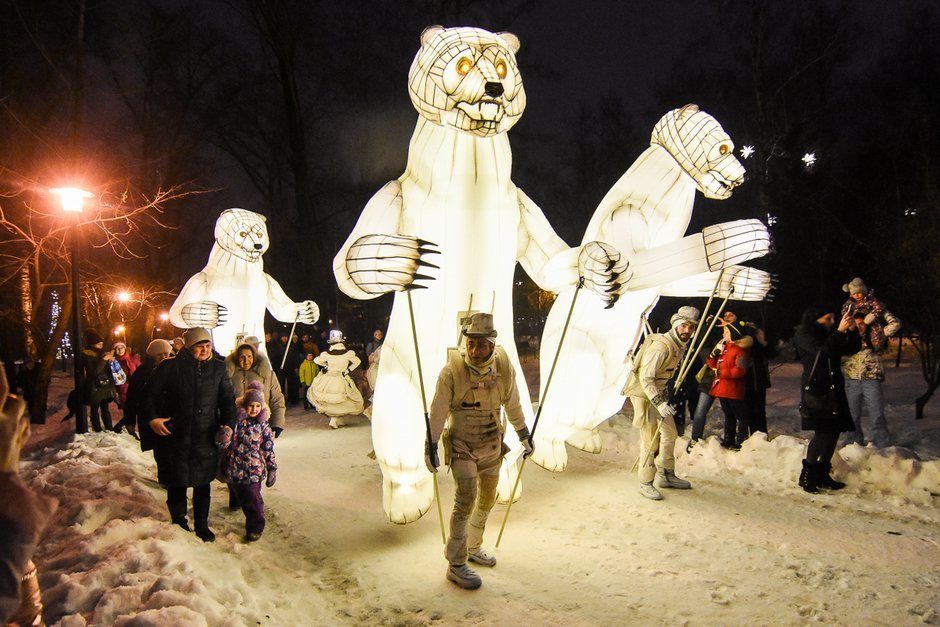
[(123, 297), (164, 316), (747, 151), (73, 201), (809, 159)]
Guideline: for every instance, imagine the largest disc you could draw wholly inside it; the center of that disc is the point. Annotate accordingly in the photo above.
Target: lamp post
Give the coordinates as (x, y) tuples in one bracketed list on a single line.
[(73, 201)]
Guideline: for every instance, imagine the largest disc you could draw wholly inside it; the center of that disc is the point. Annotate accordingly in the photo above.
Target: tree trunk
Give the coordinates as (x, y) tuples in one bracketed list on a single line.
[(46, 358)]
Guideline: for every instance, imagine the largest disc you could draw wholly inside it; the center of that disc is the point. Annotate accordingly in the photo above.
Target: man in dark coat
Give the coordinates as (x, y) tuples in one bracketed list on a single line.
[(188, 398), (821, 347), (99, 390)]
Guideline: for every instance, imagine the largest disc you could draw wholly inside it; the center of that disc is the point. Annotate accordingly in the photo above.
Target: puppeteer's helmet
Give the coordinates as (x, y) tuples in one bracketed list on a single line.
[(336, 336)]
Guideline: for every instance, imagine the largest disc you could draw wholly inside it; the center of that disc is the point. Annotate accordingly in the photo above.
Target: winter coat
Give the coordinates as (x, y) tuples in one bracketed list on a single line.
[(308, 371), (98, 385), (731, 369), (881, 322), (865, 365), (250, 456), (809, 340), (129, 363), (198, 397), (260, 371), (758, 374), (134, 405)]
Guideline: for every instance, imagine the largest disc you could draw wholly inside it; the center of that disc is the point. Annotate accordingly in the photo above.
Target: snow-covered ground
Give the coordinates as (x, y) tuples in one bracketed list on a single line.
[(745, 546)]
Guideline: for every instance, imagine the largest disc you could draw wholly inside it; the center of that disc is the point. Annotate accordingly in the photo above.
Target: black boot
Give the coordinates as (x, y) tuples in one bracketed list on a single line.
[(201, 513), (232, 497), (825, 480), (177, 508), (807, 478)]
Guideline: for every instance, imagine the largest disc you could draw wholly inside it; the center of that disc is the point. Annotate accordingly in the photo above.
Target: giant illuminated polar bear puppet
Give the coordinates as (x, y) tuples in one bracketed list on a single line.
[(232, 291), (456, 192), (644, 216)]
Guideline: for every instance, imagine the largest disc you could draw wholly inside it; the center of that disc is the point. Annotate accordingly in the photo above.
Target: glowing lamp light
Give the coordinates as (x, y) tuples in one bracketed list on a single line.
[(119, 329), (747, 151), (123, 297), (771, 220), (72, 198), (164, 316), (809, 159)]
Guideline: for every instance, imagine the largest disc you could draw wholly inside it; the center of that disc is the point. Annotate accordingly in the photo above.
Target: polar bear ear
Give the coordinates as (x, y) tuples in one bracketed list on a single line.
[(512, 42), (428, 33), (687, 110)]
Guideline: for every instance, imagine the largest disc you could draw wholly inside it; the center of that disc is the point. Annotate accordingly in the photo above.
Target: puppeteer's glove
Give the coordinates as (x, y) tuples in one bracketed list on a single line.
[(666, 410), (277, 431), (525, 439), (272, 478), (431, 460)]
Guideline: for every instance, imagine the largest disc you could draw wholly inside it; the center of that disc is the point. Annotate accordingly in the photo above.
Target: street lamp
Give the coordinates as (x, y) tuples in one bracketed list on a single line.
[(73, 201)]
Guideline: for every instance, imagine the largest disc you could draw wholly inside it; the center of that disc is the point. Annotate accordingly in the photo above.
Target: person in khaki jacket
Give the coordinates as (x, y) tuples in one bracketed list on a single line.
[(653, 367), (474, 384)]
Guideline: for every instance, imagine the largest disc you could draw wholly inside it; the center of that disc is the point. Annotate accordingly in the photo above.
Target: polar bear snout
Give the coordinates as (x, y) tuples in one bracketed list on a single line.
[(259, 246), (493, 90)]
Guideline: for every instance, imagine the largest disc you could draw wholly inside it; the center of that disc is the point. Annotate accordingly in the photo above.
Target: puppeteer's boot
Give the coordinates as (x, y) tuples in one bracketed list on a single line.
[(464, 576), (808, 478), (825, 480), (647, 490), (482, 557), (666, 478)]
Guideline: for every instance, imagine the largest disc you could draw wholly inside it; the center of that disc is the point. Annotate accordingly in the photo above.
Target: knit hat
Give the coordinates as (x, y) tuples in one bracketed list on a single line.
[(254, 394), (481, 326), (116, 344), (686, 313), (855, 286), (92, 337), (159, 346), (193, 336), (252, 339)]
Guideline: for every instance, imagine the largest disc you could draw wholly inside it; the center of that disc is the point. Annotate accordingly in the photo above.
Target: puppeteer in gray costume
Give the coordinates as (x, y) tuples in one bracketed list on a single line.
[(472, 387)]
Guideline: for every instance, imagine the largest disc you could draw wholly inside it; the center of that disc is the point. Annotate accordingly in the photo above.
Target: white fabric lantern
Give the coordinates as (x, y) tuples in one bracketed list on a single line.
[(457, 192), (232, 291), (645, 216)]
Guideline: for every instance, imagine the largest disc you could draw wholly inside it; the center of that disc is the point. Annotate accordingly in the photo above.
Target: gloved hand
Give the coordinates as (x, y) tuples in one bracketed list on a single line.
[(272, 478), (431, 459), (223, 437), (525, 439), (277, 431), (666, 410)]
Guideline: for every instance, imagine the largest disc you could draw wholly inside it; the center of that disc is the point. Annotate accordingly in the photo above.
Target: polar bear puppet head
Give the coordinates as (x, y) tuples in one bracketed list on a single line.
[(703, 149), (242, 233), (467, 79)]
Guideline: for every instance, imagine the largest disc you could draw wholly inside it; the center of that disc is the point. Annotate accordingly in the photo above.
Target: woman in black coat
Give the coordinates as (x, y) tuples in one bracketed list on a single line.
[(188, 398), (816, 335)]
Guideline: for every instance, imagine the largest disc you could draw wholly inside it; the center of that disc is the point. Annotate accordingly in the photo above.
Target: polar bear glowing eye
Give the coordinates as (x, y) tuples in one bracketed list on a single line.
[(242, 234), (501, 68), (463, 66), (724, 149)]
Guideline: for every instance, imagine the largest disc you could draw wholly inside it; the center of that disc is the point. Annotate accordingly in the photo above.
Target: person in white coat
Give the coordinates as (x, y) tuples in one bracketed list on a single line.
[(653, 414), (333, 392)]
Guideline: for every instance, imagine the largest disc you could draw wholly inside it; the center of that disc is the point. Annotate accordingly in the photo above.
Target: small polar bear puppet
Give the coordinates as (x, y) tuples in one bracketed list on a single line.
[(231, 293), (645, 216), (456, 192)]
